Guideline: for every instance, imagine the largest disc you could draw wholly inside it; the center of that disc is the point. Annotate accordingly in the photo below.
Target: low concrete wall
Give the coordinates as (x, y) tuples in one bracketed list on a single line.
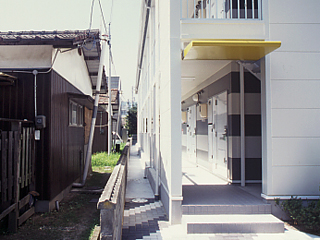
[(112, 200)]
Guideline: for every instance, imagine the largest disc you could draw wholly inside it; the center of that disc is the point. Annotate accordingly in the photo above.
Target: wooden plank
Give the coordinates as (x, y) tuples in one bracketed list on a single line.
[(25, 216), (17, 154), (13, 221), (27, 157), (7, 211), (4, 167), (10, 163), (23, 157), (30, 156), (24, 201), (14, 215), (33, 157), (1, 158)]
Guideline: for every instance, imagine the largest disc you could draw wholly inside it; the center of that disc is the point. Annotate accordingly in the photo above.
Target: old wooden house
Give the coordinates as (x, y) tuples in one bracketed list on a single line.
[(46, 88)]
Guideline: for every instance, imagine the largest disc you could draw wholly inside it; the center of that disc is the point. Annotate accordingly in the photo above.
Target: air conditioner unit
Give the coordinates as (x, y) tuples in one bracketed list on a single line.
[(203, 110)]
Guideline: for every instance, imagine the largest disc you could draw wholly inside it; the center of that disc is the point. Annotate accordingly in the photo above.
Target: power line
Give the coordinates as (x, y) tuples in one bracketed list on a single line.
[(91, 15), (111, 11), (103, 19)]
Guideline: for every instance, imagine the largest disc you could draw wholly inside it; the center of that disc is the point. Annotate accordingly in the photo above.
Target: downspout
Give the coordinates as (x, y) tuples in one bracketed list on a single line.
[(94, 118), (109, 96), (35, 73), (242, 128), (158, 181), (143, 41)]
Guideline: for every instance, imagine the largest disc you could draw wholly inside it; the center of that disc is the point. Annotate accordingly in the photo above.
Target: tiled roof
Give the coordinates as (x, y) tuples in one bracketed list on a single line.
[(89, 41), (104, 99), (47, 37)]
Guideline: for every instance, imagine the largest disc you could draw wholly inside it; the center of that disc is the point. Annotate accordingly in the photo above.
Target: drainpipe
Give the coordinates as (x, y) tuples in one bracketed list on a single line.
[(35, 73), (94, 118), (157, 118), (242, 128), (148, 6), (109, 95)]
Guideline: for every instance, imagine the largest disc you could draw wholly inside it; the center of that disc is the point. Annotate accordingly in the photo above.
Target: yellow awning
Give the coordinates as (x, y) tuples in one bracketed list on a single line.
[(229, 49)]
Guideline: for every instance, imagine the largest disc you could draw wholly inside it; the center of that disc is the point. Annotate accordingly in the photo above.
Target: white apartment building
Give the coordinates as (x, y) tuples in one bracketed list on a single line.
[(232, 86)]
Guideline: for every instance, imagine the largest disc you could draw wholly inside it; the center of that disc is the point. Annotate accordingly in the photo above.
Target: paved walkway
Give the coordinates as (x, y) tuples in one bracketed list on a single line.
[(145, 218)]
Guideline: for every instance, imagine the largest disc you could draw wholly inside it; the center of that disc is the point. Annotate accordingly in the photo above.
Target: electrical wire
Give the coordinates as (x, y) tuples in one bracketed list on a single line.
[(31, 72), (93, 43), (103, 19), (111, 12), (91, 15), (112, 62)]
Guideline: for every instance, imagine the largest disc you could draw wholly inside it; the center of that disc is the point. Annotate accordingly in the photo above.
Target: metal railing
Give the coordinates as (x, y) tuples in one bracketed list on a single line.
[(221, 9)]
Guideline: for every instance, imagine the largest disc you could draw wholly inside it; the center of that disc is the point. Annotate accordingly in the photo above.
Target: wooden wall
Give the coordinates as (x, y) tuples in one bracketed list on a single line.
[(17, 102), (60, 151), (67, 142), (100, 143)]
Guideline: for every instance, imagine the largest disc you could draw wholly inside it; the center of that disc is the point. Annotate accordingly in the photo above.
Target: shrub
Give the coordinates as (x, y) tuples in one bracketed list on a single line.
[(307, 216)]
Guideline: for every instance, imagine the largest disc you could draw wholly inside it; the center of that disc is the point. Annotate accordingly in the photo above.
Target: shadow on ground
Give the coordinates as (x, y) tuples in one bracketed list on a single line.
[(76, 218)]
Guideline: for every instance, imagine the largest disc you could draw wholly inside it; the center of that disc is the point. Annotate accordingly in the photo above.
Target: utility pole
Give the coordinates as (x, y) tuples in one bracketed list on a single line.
[(109, 95), (94, 116)]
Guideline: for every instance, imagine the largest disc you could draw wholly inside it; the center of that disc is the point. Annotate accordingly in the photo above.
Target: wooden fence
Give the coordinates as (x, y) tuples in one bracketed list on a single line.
[(17, 154)]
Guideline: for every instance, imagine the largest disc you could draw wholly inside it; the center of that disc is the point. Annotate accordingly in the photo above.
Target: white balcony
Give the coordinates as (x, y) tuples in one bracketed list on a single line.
[(221, 9), (221, 19)]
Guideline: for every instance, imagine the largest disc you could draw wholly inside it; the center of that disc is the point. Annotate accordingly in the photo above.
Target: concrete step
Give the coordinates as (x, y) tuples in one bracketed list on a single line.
[(226, 209), (225, 223)]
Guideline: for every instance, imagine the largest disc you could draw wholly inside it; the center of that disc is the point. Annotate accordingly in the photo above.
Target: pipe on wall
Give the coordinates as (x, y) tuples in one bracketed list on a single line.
[(94, 118), (148, 5), (242, 128)]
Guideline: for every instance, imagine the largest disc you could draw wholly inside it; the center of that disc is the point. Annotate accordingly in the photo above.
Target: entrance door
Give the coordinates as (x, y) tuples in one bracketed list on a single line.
[(191, 134), (219, 137)]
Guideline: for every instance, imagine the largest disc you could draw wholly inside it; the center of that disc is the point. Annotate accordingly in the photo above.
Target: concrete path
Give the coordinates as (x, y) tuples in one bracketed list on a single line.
[(145, 218), (143, 215), (137, 186)]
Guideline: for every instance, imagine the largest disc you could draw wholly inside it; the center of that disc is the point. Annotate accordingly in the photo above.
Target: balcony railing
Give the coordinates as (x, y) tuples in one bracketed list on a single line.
[(221, 9)]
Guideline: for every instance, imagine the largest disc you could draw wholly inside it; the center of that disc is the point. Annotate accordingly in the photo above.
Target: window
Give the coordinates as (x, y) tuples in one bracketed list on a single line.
[(75, 114)]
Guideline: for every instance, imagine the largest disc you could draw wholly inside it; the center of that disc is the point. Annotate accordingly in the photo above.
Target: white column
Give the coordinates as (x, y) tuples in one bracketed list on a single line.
[(175, 213)]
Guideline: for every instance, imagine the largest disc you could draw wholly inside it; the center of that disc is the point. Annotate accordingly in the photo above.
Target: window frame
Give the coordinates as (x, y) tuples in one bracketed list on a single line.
[(76, 114)]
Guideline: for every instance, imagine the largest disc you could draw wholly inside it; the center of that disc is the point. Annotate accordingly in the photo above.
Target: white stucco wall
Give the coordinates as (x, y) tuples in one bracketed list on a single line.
[(69, 65), (26, 57), (161, 79), (72, 67), (293, 100)]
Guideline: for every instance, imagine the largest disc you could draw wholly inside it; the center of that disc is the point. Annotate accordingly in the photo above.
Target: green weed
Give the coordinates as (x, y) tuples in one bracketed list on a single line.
[(103, 162)]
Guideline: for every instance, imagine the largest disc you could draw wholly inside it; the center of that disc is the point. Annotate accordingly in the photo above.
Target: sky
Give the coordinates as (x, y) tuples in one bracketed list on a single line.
[(48, 15)]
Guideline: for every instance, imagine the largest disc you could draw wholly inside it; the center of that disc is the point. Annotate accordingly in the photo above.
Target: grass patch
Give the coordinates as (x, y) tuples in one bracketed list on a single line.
[(101, 161)]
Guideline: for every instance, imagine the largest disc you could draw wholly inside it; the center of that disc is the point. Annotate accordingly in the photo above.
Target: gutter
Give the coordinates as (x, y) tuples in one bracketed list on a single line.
[(148, 6)]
